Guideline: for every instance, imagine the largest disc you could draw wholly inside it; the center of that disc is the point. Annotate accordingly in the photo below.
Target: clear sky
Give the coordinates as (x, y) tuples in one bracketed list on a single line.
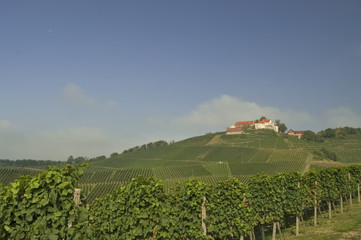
[(88, 78)]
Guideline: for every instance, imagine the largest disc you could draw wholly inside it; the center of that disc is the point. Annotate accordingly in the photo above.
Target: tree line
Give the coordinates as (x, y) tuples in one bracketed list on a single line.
[(80, 159), (29, 163), (328, 133), (157, 144)]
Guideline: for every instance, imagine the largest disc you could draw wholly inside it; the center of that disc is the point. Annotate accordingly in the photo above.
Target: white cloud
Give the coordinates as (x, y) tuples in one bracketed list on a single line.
[(75, 94), (219, 113)]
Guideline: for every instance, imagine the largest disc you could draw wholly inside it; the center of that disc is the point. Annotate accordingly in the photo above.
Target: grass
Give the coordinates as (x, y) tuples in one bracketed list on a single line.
[(345, 225)]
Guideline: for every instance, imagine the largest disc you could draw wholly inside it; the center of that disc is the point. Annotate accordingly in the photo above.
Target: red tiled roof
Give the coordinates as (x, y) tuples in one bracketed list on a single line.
[(266, 120), (260, 122), (244, 123)]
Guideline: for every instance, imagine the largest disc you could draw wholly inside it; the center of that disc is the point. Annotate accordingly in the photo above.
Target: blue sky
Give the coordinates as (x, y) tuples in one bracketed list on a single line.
[(88, 78)]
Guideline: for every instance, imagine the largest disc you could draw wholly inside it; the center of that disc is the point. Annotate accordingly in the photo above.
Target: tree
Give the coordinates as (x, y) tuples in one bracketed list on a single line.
[(282, 127), (309, 135), (263, 117), (70, 160), (277, 122), (330, 133), (102, 157), (114, 154), (79, 160)]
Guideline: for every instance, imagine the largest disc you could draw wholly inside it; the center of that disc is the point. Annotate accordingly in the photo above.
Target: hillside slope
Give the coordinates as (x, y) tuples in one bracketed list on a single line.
[(208, 158), (213, 157)]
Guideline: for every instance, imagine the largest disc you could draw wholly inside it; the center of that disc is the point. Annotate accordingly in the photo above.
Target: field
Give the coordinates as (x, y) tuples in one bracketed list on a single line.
[(209, 158)]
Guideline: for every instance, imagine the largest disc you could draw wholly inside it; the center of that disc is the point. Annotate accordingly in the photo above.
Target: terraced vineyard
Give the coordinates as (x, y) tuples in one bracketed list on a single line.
[(8, 174), (219, 168), (270, 168), (209, 158), (181, 172)]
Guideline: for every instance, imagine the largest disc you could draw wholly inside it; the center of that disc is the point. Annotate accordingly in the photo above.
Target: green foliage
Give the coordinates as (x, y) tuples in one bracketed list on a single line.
[(264, 194), (323, 153), (327, 184), (311, 179), (230, 211), (282, 127), (293, 192), (328, 133), (138, 211), (114, 155), (30, 163), (160, 143), (186, 201), (355, 177), (311, 136), (42, 207), (78, 160)]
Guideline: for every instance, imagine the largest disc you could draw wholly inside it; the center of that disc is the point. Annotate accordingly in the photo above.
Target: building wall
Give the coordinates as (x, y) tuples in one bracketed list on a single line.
[(269, 125), (233, 131)]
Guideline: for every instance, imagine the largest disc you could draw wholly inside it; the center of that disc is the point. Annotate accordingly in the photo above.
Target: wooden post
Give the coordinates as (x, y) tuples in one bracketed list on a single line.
[(279, 229), (262, 232), (341, 203), (320, 214), (242, 237), (358, 192), (349, 178), (274, 231), (298, 219), (252, 236), (329, 209), (154, 232), (334, 206), (346, 199), (204, 215), (303, 224), (315, 206), (77, 196)]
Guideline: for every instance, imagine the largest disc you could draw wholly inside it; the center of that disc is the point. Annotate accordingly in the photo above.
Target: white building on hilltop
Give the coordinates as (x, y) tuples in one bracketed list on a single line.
[(237, 128), (266, 124)]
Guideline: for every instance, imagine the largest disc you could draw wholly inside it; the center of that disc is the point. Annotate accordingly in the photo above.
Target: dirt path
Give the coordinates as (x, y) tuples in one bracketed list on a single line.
[(216, 139)]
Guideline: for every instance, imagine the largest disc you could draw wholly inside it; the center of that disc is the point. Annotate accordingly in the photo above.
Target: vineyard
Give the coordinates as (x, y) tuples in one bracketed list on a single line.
[(8, 174), (207, 158), (48, 206)]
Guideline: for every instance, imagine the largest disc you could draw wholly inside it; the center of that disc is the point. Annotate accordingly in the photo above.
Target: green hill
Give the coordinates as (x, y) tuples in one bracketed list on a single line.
[(216, 156), (209, 158)]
